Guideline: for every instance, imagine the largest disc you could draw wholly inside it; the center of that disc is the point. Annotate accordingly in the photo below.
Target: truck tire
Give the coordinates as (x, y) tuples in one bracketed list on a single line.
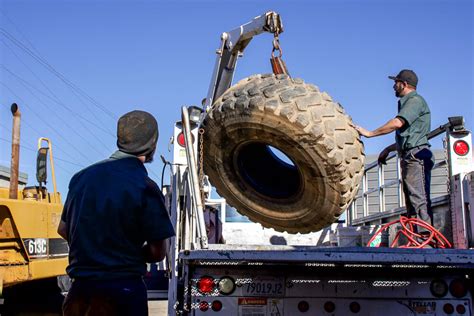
[(282, 153)]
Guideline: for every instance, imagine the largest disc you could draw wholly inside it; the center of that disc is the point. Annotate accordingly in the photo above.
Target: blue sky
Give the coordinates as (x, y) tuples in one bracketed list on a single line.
[(157, 56)]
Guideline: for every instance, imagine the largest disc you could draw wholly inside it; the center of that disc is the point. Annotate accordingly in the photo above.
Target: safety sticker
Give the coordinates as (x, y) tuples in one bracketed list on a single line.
[(253, 306), (423, 307)]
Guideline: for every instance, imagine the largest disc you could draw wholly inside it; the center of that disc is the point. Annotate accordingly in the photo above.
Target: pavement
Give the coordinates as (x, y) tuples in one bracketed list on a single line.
[(158, 308)]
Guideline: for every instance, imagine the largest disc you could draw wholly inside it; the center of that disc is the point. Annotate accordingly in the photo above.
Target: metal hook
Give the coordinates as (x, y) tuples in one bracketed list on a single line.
[(276, 47)]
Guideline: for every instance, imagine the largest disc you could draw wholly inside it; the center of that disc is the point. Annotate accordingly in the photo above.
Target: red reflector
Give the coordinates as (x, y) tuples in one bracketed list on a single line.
[(458, 288), (460, 309), (206, 285), (303, 306), (461, 148), (448, 308), (181, 140), (204, 306), (354, 307), (216, 306)]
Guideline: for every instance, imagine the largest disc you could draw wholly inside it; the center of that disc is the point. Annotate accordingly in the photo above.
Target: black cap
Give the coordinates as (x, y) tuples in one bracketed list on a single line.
[(406, 75), (137, 133)]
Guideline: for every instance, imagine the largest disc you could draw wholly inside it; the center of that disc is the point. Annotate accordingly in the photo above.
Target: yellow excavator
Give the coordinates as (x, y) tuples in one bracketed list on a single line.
[(32, 254)]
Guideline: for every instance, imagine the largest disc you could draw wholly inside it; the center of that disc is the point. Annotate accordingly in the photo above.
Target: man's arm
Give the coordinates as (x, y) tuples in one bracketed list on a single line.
[(388, 127), (390, 148), (155, 224), (62, 229), (155, 251), (384, 153)]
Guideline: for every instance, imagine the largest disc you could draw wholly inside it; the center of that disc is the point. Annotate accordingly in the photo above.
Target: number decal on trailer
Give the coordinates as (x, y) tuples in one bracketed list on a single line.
[(269, 287), (265, 288), (36, 247)]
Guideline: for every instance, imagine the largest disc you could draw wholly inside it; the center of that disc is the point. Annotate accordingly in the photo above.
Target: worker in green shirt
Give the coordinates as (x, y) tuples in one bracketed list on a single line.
[(411, 125)]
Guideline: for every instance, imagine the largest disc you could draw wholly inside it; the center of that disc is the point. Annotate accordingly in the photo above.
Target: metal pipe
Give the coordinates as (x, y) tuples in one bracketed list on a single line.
[(193, 179), (401, 195), (14, 166), (381, 174), (51, 162), (365, 186)]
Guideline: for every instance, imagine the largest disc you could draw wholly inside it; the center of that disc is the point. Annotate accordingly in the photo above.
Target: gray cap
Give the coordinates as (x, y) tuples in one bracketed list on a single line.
[(406, 75), (137, 133)]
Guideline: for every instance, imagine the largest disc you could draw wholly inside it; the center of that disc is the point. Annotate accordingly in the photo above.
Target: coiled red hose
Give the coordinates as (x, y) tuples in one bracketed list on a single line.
[(432, 238)]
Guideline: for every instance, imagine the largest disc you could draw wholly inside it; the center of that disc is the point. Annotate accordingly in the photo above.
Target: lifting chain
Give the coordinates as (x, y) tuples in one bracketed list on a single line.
[(201, 163), (278, 65), (276, 46)]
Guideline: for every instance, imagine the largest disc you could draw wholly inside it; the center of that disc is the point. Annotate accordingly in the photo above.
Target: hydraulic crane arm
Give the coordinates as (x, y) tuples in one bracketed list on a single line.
[(233, 44)]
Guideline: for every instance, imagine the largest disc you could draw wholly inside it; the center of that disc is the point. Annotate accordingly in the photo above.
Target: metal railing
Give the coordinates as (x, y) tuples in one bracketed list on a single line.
[(353, 212), (381, 189)]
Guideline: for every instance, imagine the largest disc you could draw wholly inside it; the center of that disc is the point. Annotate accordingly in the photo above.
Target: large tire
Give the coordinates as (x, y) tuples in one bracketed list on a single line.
[(325, 155)]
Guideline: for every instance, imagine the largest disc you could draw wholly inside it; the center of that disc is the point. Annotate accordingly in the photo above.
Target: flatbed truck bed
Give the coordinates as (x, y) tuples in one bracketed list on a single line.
[(338, 255)]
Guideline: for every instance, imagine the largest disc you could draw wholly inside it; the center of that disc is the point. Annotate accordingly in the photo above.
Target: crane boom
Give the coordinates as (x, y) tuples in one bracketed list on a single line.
[(232, 45)]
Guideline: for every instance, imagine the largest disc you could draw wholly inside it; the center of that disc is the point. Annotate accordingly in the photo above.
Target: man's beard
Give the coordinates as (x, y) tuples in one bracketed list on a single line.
[(149, 157), (398, 92)]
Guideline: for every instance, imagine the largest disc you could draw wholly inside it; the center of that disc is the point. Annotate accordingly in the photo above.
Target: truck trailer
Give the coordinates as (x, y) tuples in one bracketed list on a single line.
[(287, 156)]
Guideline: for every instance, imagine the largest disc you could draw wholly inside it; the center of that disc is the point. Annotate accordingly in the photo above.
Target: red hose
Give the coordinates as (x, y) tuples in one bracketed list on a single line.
[(415, 240)]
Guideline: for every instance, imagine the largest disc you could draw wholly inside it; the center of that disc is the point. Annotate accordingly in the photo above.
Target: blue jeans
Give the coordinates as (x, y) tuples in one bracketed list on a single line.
[(106, 297)]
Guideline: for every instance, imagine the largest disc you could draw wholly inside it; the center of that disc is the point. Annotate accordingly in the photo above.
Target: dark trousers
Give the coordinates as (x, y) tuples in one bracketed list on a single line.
[(416, 177), (106, 297)]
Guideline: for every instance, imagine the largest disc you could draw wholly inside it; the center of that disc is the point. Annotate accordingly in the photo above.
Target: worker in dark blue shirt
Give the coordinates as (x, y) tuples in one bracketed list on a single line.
[(115, 221)]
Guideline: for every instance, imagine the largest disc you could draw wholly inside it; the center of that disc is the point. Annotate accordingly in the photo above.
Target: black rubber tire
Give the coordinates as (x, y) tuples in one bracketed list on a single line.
[(326, 157)]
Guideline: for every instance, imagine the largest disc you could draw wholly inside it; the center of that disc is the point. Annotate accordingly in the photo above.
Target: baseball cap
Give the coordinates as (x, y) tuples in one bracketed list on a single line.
[(137, 133), (406, 75)]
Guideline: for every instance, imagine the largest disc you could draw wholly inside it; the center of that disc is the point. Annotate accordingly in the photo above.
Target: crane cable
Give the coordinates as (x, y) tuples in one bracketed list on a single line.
[(59, 75), (409, 229)]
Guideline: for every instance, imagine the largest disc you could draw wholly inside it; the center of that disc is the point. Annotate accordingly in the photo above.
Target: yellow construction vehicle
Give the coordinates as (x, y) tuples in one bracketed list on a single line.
[(32, 254)]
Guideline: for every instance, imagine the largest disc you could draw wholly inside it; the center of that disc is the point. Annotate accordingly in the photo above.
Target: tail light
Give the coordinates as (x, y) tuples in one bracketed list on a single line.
[(458, 288), (206, 285), (216, 306), (329, 307), (448, 308), (354, 307), (203, 306), (460, 309), (438, 288), (461, 148), (226, 285), (303, 306), (181, 140)]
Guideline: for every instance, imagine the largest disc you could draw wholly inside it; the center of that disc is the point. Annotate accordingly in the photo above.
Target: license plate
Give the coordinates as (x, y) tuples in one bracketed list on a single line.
[(264, 287)]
